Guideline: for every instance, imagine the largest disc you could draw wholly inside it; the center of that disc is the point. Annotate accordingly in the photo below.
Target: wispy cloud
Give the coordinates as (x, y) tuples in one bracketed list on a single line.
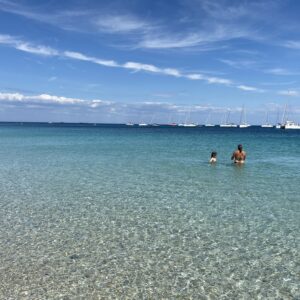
[(134, 66), (52, 78), (121, 24), (290, 93), (208, 38), (27, 47), (65, 19), (239, 64), (249, 88), (292, 44), (110, 111), (209, 23), (49, 99), (80, 56), (281, 72)]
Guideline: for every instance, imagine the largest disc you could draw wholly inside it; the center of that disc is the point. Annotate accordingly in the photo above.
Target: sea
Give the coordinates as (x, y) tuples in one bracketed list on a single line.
[(91, 211)]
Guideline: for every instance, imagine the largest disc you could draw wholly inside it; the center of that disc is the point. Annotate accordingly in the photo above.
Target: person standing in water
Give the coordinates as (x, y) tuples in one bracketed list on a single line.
[(239, 155), (213, 157)]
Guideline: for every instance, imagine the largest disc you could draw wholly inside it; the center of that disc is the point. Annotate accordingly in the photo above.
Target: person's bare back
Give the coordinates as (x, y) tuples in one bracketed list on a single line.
[(239, 156)]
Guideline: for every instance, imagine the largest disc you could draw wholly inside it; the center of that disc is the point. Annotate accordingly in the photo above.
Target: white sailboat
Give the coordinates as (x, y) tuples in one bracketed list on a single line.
[(187, 122), (243, 122), (278, 124), (288, 124), (291, 125), (267, 123), (152, 121), (227, 121), (208, 121)]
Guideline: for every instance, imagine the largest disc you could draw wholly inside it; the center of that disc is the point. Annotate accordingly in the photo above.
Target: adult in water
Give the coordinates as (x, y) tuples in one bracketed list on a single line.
[(239, 155)]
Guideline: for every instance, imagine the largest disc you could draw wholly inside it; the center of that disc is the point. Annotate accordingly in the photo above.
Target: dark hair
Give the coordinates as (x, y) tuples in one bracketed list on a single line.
[(213, 154), (240, 147)]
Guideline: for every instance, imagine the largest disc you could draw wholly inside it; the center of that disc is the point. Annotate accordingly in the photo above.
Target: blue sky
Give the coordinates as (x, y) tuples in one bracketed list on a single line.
[(122, 61)]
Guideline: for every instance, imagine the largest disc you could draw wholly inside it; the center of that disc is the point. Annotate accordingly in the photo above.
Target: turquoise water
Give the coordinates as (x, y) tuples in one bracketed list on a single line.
[(138, 213)]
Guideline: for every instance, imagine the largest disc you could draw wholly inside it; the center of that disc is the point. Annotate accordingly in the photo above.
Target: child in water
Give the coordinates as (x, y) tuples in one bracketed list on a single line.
[(213, 157)]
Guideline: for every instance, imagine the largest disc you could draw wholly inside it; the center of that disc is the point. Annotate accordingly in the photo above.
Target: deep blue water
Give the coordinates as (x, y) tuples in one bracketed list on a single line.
[(126, 212)]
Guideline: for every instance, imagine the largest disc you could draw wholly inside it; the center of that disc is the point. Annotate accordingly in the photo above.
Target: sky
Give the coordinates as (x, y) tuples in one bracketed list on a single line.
[(149, 61)]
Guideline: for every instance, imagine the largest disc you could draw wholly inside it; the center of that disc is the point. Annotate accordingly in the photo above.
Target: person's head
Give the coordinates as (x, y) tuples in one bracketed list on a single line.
[(213, 154), (240, 147)]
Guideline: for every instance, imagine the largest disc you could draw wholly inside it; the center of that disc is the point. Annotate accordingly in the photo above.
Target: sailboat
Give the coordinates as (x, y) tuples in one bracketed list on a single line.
[(267, 124), (277, 125), (288, 124), (208, 121), (291, 125), (187, 117), (152, 123), (227, 123), (243, 122)]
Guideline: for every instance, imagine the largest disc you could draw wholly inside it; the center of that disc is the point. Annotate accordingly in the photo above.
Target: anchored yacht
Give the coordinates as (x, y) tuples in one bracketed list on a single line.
[(290, 125)]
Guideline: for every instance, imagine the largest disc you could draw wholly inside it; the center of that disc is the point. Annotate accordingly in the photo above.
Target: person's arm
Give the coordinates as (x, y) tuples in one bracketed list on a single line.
[(244, 155), (232, 156)]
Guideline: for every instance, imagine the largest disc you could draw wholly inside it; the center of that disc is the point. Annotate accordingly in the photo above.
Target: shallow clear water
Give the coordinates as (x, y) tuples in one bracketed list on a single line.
[(138, 213)]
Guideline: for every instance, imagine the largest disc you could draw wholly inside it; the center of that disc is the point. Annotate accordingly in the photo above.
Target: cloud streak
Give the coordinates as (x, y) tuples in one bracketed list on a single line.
[(27, 47), (249, 88), (121, 24), (49, 99), (290, 93), (292, 44), (61, 101), (209, 23), (281, 72), (134, 66)]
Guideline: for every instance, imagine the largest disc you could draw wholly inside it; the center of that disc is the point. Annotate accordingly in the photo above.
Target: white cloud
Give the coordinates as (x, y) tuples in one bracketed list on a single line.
[(169, 41), (41, 50), (218, 80), (249, 88), (239, 64), (45, 99), (7, 39), (292, 44), (80, 56), (135, 66), (290, 93), (195, 76), (42, 98), (120, 23), (202, 24), (27, 47), (12, 96), (141, 67), (281, 72)]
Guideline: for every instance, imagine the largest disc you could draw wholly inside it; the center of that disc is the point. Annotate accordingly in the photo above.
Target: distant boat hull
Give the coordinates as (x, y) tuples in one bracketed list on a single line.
[(291, 125), (244, 125), (189, 125), (228, 125), (267, 126)]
